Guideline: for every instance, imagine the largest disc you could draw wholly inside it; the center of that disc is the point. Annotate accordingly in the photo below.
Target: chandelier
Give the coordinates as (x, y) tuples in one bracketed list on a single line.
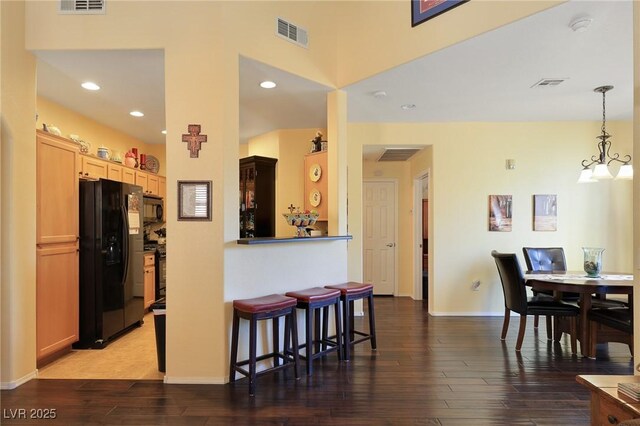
[(604, 158)]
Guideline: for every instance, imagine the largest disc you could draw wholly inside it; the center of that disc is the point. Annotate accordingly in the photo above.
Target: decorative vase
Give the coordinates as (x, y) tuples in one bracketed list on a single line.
[(592, 261)]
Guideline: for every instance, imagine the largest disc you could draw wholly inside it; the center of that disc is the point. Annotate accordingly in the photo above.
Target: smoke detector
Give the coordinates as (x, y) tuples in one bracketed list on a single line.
[(580, 23)]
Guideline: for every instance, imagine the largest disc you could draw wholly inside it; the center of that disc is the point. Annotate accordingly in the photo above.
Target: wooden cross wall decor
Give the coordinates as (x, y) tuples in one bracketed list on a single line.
[(194, 139)]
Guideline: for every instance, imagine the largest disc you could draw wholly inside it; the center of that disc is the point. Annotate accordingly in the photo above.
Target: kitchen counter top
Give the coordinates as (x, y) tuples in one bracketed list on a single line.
[(276, 240)]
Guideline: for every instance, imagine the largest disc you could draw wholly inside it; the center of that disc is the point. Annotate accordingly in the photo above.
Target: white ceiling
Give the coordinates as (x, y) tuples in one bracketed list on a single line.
[(487, 78)]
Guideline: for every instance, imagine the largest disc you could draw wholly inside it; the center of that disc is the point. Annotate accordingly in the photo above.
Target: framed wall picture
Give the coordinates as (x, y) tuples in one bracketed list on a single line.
[(423, 10), (194, 200), (545, 212), (500, 213)]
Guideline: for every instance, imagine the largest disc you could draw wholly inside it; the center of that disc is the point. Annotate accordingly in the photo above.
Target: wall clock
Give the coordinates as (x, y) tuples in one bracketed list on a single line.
[(315, 198), (315, 171)]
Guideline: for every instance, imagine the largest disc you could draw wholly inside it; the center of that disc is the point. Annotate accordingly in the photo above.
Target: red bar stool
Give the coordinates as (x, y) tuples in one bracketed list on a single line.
[(263, 308), (313, 300), (348, 293)]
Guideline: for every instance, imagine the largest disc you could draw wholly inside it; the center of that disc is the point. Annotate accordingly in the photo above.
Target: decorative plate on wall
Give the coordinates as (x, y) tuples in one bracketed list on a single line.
[(315, 198), (152, 164), (315, 171)]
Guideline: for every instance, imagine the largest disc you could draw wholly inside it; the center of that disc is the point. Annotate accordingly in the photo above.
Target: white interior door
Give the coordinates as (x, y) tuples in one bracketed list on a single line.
[(380, 236)]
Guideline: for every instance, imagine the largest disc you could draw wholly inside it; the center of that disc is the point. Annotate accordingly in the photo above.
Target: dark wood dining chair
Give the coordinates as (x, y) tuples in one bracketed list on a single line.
[(550, 259), (610, 325), (516, 300), (547, 259)]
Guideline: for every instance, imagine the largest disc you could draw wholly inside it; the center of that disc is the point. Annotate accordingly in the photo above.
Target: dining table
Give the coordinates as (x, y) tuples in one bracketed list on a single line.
[(578, 282)]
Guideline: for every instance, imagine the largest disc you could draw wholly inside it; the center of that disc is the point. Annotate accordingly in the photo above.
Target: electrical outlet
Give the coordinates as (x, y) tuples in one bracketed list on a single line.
[(475, 285)]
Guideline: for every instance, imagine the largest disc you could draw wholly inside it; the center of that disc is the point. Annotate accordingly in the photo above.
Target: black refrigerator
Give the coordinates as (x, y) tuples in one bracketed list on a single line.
[(111, 261)]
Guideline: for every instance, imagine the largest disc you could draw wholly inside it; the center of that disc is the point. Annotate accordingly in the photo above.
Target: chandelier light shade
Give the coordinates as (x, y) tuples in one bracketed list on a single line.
[(604, 158)]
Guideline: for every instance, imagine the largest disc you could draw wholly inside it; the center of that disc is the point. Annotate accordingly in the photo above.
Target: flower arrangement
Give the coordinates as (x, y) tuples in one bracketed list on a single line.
[(317, 142), (301, 220)]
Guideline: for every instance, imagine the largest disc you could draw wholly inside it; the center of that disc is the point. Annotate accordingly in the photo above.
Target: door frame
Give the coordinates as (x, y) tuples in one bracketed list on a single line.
[(395, 227), (417, 235)]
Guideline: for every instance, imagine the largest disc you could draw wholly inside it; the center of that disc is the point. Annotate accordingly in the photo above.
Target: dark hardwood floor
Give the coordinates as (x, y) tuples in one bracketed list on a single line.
[(427, 370)]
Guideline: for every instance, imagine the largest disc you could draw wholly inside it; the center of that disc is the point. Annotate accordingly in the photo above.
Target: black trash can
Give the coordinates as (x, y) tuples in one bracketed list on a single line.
[(159, 308)]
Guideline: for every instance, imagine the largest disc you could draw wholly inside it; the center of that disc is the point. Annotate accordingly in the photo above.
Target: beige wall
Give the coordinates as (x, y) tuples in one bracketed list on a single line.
[(468, 161), (209, 269), (97, 134), (18, 153)]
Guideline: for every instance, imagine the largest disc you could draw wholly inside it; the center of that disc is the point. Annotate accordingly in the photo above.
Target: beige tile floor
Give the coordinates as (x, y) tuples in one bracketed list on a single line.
[(132, 356)]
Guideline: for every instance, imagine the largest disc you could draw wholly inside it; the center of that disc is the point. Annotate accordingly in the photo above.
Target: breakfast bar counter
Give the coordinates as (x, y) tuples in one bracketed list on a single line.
[(276, 240)]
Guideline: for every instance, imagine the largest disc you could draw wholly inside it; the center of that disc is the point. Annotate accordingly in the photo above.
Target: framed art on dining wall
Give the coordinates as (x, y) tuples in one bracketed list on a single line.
[(545, 212), (423, 10), (500, 213)]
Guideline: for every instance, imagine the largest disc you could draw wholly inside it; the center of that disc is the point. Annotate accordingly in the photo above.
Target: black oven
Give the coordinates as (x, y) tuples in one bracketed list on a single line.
[(161, 271)]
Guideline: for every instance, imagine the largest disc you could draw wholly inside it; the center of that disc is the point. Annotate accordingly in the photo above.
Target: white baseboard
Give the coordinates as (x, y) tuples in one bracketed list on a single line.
[(22, 380), (196, 380)]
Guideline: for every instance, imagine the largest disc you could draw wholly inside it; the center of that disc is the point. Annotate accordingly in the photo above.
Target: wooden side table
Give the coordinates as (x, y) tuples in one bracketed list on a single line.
[(608, 407)]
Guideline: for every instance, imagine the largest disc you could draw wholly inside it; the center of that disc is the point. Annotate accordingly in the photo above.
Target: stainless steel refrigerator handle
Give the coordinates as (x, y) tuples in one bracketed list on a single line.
[(125, 241)]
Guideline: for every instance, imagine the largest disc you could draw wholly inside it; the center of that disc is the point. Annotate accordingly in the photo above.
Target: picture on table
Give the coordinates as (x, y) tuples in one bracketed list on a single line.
[(500, 212), (545, 212)]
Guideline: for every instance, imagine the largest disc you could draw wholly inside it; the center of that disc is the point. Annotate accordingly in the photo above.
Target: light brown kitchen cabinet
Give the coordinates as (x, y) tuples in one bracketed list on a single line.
[(128, 175), (153, 186), (142, 180), (114, 172), (57, 293), (57, 298), (57, 166), (149, 280), (162, 187), (93, 168)]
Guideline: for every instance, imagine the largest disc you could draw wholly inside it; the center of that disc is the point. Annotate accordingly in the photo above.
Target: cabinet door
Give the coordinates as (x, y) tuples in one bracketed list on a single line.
[(57, 168), (141, 180), (57, 298), (153, 184), (149, 280), (128, 175), (162, 187), (93, 168), (114, 172)]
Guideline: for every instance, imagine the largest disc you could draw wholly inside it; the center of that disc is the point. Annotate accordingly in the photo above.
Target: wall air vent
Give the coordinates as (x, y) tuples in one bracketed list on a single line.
[(397, 154), (82, 7), (549, 82), (292, 32)]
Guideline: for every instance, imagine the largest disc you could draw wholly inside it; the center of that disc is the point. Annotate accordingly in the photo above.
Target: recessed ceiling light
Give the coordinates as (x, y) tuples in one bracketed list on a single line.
[(137, 114), (89, 85), (164, 132), (267, 84), (379, 94), (408, 106)]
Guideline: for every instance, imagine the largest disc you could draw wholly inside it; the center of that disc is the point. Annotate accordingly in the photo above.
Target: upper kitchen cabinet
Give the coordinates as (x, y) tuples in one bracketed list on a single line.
[(94, 168), (153, 185), (56, 189), (162, 187), (142, 180)]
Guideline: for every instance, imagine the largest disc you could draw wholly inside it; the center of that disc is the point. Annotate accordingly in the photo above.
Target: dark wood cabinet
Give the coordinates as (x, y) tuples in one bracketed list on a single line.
[(257, 197)]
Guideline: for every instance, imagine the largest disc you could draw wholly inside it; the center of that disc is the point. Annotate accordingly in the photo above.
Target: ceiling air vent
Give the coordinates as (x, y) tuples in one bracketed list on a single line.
[(292, 32), (549, 82), (82, 7), (397, 154)]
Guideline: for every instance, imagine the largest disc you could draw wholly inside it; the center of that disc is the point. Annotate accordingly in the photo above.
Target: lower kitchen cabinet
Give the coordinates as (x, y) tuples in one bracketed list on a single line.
[(149, 279), (57, 298)]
